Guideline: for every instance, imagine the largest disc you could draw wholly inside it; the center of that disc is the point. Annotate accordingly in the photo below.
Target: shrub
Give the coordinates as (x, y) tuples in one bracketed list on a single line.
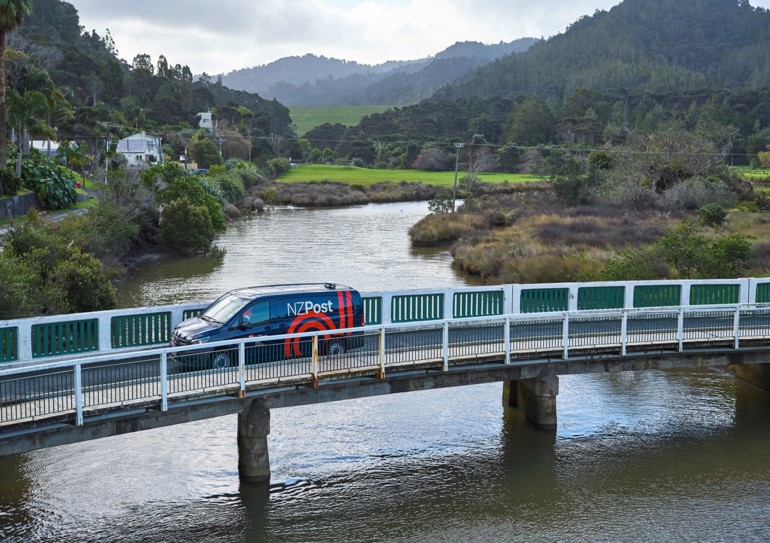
[(696, 193), (278, 166), (10, 183), (231, 187), (78, 284), (249, 177), (54, 185), (198, 192), (187, 227), (712, 215), (442, 203)]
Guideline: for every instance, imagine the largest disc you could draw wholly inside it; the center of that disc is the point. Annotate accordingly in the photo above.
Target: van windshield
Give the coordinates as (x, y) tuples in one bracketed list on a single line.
[(225, 308)]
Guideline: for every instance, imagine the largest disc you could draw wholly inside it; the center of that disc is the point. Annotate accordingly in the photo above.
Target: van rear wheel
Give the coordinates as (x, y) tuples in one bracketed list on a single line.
[(336, 348), (220, 361)]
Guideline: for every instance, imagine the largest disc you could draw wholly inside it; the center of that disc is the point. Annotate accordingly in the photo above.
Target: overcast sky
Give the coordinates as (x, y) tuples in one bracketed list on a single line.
[(218, 36)]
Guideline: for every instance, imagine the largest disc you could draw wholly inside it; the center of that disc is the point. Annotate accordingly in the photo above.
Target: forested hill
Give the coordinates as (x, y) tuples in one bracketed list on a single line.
[(655, 45), (104, 92), (313, 80)]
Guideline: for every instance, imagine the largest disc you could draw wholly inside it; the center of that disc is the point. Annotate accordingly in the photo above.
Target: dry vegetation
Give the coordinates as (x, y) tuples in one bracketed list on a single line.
[(529, 237)]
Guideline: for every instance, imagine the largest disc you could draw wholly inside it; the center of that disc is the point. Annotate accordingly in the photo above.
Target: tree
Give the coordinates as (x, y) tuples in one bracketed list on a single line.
[(12, 14), (25, 113)]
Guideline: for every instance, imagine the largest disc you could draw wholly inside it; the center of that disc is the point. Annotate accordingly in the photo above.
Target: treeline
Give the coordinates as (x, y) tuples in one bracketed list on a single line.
[(509, 128)]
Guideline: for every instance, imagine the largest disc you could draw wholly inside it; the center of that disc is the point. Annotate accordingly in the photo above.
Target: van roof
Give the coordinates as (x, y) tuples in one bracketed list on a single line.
[(293, 288)]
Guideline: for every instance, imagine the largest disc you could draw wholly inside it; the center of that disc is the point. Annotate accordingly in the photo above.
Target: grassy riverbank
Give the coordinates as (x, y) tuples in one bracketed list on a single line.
[(527, 236), (320, 185)]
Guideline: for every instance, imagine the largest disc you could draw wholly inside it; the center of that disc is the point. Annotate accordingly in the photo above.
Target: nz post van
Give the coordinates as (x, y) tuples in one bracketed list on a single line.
[(275, 310)]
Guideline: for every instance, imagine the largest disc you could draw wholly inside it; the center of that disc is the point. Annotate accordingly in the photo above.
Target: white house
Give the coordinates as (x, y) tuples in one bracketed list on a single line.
[(206, 121), (141, 149)]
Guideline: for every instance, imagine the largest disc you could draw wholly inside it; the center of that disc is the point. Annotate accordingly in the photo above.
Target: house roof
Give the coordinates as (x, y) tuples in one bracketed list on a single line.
[(138, 143)]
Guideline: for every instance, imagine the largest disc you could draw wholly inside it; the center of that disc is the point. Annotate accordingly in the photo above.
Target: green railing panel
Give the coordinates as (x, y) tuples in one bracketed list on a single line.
[(763, 293), (478, 304), (71, 337), (372, 310), (417, 308), (190, 313), (657, 295), (544, 300), (601, 298), (140, 330), (714, 294), (9, 344)]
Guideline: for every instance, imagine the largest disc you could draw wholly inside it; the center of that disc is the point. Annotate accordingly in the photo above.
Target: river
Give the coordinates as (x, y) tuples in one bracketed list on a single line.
[(649, 456)]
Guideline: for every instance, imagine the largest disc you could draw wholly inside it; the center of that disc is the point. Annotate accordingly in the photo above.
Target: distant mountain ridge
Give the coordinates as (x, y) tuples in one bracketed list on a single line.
[(654, 45), (312, 80)]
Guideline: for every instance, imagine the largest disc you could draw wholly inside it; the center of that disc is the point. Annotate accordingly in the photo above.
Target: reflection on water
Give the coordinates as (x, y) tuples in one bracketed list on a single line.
[(366, 247), (647, 456)]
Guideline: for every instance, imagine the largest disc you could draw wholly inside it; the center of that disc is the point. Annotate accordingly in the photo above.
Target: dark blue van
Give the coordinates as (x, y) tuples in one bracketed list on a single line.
[(274, 310)]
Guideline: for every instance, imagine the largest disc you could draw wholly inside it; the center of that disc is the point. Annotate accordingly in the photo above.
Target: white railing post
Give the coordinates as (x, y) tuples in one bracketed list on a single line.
[(105, 332), (624, 333), (507, 339), (737, 326), (446, 346), (381, 352), (164, 381), (242, 368), (680, 328), (565, 336), (314, 363), (78, 395)]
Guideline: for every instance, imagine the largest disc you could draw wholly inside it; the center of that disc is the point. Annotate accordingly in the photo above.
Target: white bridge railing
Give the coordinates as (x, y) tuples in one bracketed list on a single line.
[(74, 389), (43, 339)]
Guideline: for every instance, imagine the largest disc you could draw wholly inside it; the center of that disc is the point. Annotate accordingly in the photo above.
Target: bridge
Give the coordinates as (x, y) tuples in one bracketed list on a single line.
[(71, 378)]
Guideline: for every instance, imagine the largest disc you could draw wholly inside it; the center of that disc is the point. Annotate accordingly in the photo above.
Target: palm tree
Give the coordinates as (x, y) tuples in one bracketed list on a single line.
[(12, 14)]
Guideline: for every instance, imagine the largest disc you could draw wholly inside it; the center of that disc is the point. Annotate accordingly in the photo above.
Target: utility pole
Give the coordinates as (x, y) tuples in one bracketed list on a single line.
[(458, 146)]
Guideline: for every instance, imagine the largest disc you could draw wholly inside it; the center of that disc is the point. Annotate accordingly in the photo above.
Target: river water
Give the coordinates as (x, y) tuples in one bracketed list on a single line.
[(649, 456)]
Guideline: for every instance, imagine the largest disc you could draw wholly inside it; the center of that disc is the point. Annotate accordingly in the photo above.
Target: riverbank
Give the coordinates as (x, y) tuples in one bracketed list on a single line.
[(528, 236)]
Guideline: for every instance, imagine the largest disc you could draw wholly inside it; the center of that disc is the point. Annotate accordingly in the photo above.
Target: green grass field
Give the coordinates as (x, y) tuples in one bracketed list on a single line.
[(308, 117), (751, 174), (364, 176)]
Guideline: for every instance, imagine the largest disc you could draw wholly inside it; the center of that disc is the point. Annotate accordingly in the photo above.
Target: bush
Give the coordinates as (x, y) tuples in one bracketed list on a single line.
[(696, 193), (198, 192), (54, 185), (10, 183), (231, 187), (278, 166), (249, 177), (78, 284), (441, 204), (187, 227), (712, 215)]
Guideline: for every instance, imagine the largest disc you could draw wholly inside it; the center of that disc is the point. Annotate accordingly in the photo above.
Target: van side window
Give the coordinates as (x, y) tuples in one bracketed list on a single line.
[(257, 313)]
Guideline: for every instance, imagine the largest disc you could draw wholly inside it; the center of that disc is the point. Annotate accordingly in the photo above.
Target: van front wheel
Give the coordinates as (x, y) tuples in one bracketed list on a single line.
[(336, 348)]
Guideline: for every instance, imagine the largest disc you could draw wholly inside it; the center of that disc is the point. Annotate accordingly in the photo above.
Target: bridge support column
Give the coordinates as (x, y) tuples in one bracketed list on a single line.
[(754, 374), (536, 397), (253, 429)]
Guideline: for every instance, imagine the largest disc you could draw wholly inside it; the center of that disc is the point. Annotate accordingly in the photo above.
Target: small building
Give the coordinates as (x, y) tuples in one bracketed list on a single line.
[(141, 149), (206, 121)]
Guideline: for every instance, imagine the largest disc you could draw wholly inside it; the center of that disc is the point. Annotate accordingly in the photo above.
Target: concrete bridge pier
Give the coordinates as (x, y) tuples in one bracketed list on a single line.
[(536, 397), (754, 374), (253, 429)]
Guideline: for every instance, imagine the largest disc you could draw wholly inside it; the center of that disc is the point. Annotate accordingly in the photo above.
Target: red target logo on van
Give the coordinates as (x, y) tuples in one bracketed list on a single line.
[(317, 321)]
